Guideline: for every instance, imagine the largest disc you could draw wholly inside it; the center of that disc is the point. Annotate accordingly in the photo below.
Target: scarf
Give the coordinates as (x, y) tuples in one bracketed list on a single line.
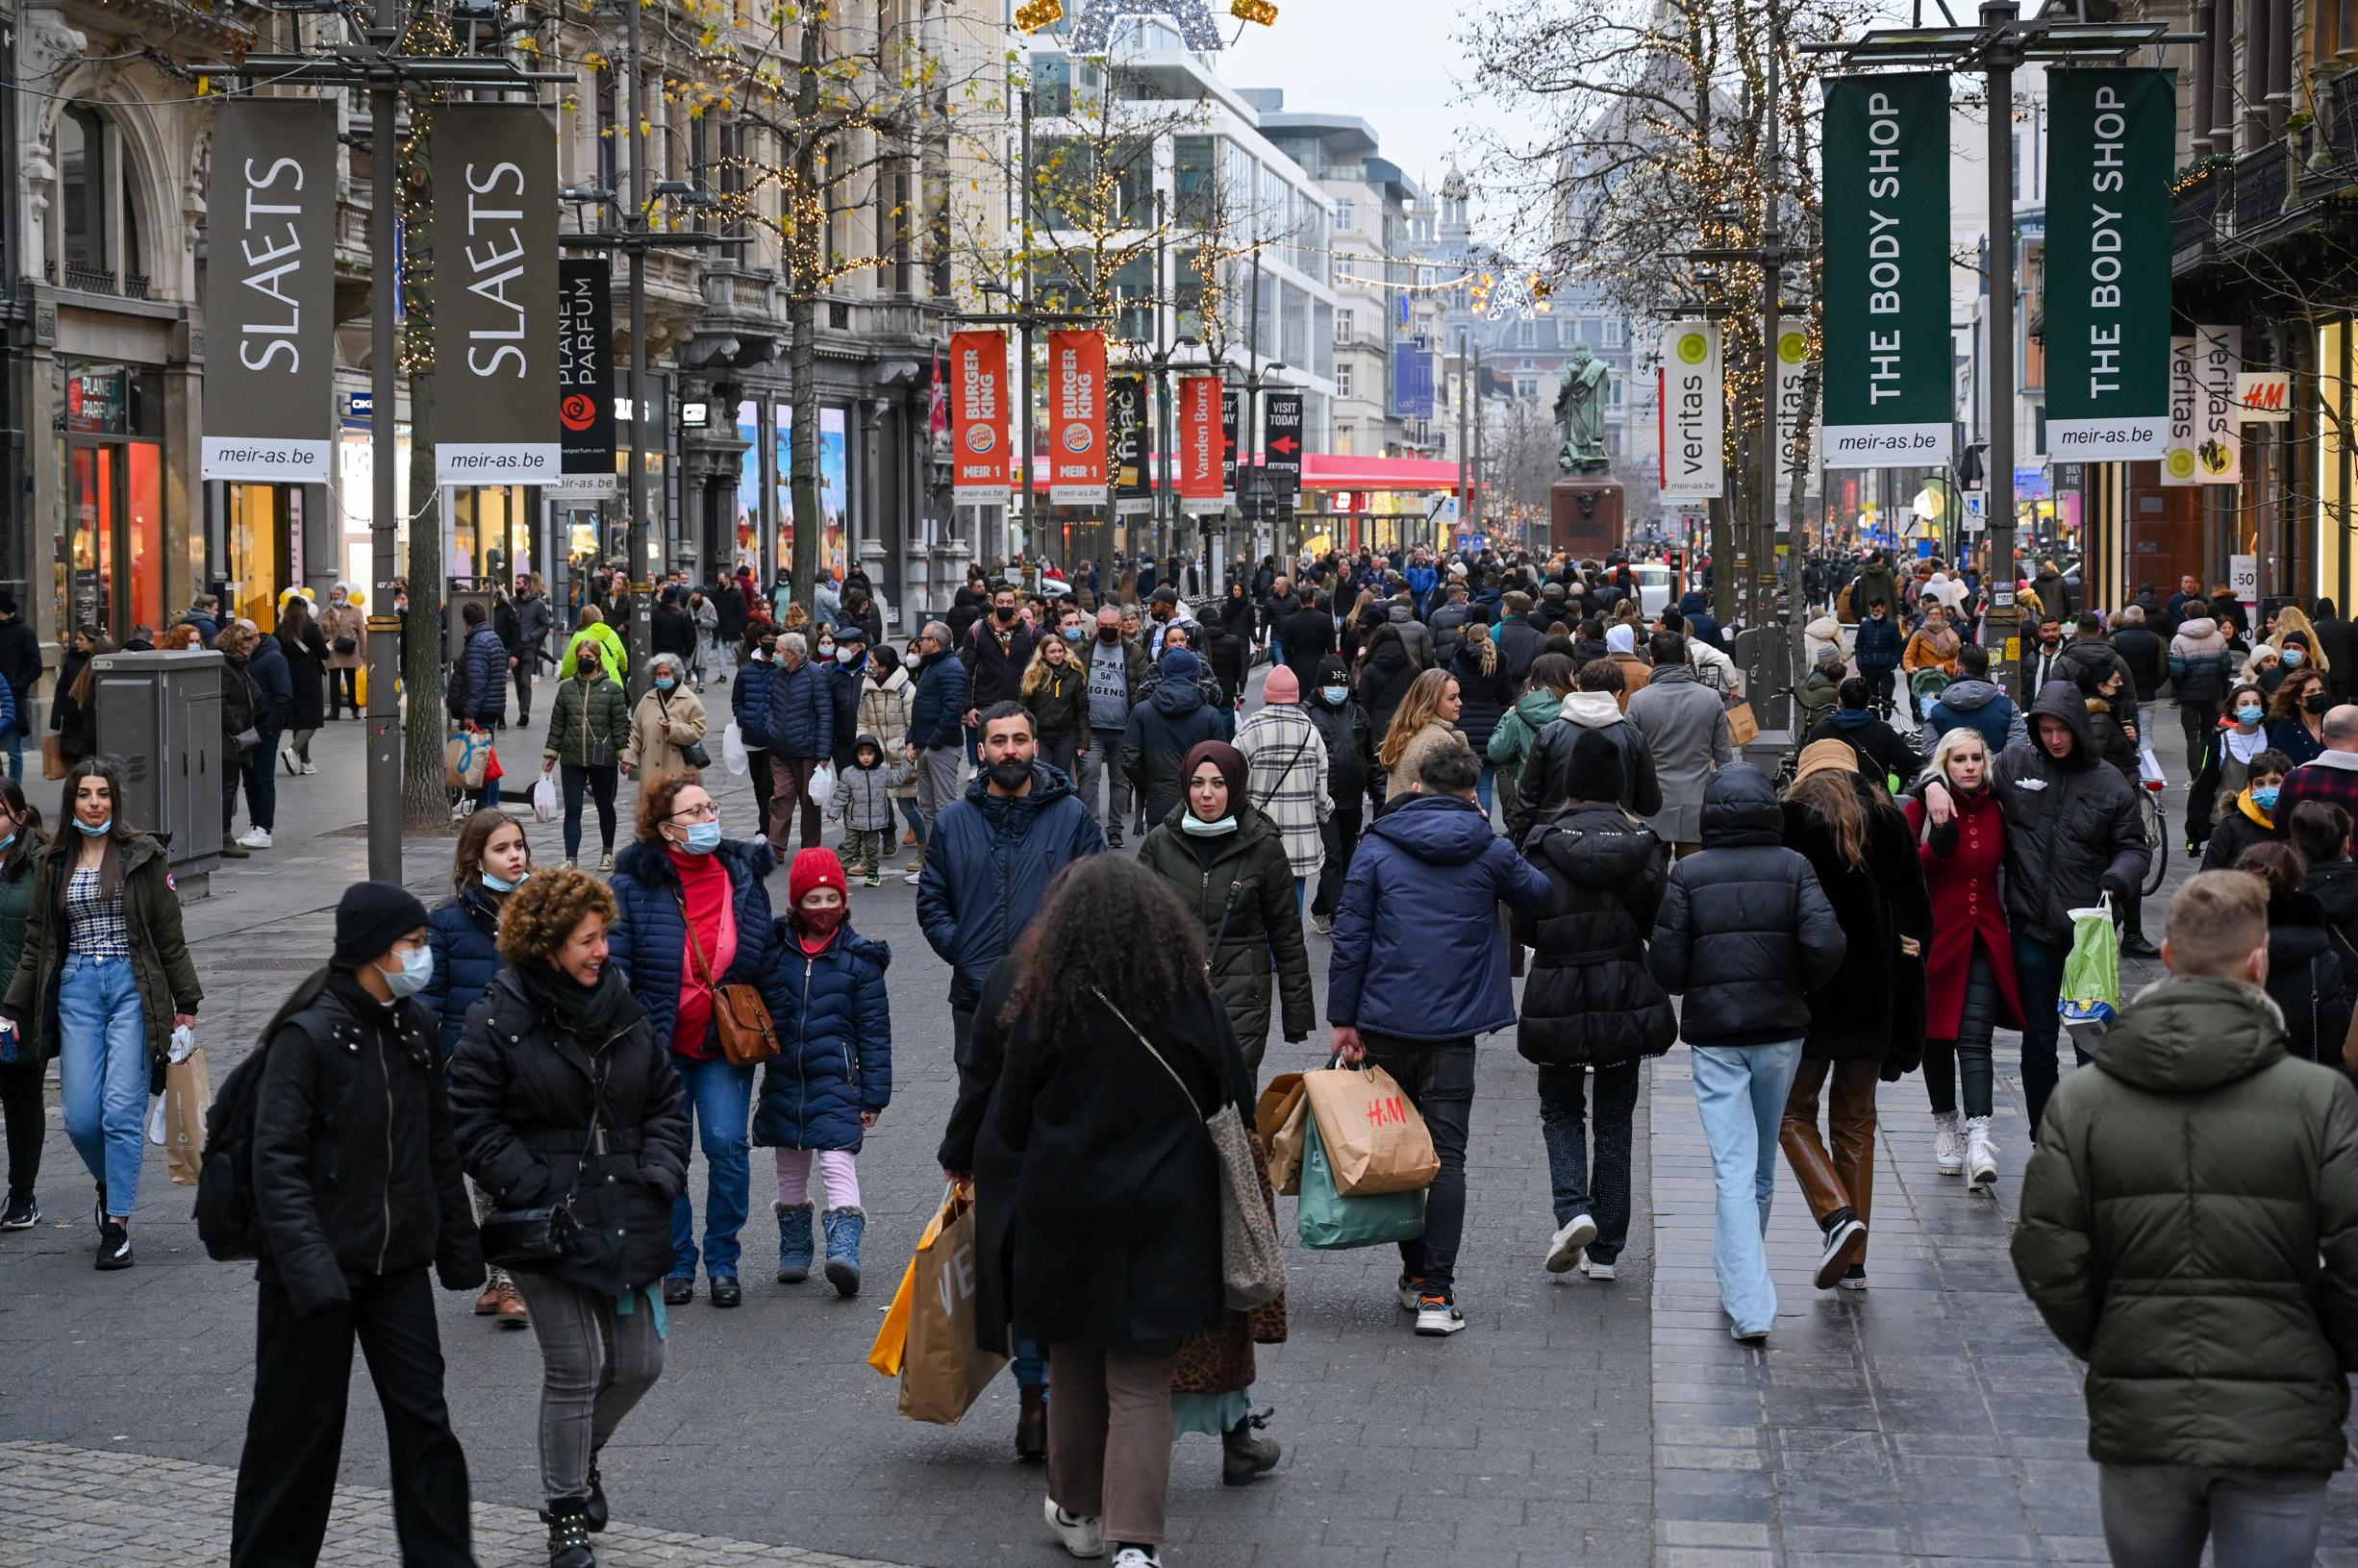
[(591, 1014), (1943, 642)]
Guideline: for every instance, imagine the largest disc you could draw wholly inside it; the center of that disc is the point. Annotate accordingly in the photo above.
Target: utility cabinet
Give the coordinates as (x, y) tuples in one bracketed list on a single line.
[(160, 723)]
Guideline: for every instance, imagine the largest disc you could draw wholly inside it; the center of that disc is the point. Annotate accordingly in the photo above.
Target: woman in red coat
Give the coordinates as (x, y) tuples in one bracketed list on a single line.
[(1968, 974)]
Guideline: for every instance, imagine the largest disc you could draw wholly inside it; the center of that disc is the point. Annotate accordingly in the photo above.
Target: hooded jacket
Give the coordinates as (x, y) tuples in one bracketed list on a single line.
[(1702, 626), (1483, 699), (987, 863), (1876, 585), (834, 1040), (1343, 729), (2334, 885), (464, 931), (1745, 930), (1419, 953), (2307, 978), (800, 720), (2190, 1230), (1383, 683), (1162, 731), (2072, 825), (1589, 999), (1683, 725), (1414, 633), (1980, 706), (863, 796), (2198, 660), (1542, 787)]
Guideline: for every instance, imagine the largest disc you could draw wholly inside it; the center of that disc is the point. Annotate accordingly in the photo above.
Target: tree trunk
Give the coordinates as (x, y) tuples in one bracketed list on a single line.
[(425, 799), (802, 320)]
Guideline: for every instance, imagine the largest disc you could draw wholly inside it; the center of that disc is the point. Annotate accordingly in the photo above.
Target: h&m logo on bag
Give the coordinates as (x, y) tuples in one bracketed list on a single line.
[(1387, 1110)]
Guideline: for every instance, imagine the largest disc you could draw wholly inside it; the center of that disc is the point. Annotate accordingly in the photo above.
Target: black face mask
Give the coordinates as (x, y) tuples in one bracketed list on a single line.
[(1109, 634), (1011, 773), (1007, 613), (2317, 702)]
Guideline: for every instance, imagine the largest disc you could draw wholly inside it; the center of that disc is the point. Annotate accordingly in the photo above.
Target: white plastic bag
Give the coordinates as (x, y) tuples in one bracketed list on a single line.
[(183, 1043), (545, 799), (2149, 766), (822, 786), (733, 754), (155, 1122)]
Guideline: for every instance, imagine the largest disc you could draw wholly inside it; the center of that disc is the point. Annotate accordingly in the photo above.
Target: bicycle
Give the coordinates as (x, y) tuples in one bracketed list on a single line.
[(2156, 824), (1806, 719)]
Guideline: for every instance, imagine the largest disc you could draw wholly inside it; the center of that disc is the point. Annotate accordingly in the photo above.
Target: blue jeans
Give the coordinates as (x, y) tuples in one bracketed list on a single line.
[(16, 747), (1483, 783), (2038, 968), (2159, 1515), (1600, 1191), (719, 1105), (1031, 1365), (1740, 1093), (102, 1052)]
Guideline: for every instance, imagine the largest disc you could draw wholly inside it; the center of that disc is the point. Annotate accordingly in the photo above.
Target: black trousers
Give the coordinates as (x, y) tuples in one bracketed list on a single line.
[(295, 1434), (343, 691), (20, 1104), (1340, 834)]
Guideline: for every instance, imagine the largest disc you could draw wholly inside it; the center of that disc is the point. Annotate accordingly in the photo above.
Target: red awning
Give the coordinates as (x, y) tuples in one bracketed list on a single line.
[(1342, 471)]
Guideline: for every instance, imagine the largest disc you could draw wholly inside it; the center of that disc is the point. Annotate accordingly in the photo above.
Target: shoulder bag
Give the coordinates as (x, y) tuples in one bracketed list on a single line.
[(1252, 1268), (693, 753), (747, 1037), (528, 1237)]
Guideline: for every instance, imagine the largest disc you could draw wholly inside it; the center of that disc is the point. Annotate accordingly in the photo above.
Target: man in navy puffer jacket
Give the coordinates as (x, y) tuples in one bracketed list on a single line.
[(1420, 968)]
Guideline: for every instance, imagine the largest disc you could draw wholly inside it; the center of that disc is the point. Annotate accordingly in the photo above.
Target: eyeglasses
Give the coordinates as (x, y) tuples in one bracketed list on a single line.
[(707, 813)]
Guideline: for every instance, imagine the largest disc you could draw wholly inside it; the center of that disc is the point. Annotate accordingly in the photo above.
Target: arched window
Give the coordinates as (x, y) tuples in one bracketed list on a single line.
[(98, 231)]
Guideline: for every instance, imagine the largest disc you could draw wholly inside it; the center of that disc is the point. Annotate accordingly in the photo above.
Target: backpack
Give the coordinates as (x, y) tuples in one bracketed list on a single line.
[(227, 1221)]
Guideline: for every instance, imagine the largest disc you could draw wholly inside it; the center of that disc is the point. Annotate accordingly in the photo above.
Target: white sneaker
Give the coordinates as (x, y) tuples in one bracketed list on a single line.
[(1947, 1143), (311, 767), (1564, 1252), (256, 839), (912, 876), (1596, 1270), (1138, 1557), (1980, 1154), (1081, 1534), (606, 862), (285, 755), (1438, 1315)]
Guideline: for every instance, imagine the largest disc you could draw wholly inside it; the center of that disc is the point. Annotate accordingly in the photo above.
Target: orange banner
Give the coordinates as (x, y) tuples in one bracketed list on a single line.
[(1202, 447), (1076, 419), (978, 419)]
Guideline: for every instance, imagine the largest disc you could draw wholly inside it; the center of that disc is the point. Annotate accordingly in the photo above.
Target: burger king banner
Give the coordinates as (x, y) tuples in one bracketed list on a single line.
[(1076, 419), (978, 419), (1201, 446)]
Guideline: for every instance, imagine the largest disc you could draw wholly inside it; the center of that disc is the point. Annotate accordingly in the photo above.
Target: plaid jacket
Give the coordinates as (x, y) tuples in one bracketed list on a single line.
[(2331, 778), (1286, 777)]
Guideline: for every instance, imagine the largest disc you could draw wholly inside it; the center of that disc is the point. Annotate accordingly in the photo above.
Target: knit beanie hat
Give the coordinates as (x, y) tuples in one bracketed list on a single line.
[(1829, 654), (1594, 772), (1179, 664), (1282, 686), (371, 917), (814, 868), (1828, 755)]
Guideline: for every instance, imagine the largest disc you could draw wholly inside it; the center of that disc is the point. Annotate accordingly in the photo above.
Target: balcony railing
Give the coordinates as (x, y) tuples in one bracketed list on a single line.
[(2342, 120), (2261, 181), (2194, 219), (99, 280)]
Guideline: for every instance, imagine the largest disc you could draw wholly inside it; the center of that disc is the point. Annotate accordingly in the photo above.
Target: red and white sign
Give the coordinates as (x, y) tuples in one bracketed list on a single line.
[(979, 475), (1076, 419), (2263, 397), (1202, 446)]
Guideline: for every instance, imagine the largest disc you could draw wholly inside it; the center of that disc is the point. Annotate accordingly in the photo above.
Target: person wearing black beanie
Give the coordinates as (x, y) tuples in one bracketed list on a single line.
[(369, 919)]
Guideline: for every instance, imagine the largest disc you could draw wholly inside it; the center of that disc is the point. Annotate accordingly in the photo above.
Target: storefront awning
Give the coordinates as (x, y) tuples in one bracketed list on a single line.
[(1342, 471)]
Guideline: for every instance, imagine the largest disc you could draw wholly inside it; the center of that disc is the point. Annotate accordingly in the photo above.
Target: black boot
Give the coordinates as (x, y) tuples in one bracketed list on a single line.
[(568, 1533), (1245, 1456), (1031, 1422), (594, 1511)]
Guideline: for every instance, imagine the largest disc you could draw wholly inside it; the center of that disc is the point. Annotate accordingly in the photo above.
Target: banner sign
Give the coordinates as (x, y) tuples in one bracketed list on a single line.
[(495, 302), (2182, 461), (2263, 397), (2109, 134), (1126, 443), (1888, 378), (1793, 364), (978, 419), (1281, 440), (1693, 457), (270, 291), (1076, 418), (1201, 449), (2219, 359), (586, 375), (1229, 424)]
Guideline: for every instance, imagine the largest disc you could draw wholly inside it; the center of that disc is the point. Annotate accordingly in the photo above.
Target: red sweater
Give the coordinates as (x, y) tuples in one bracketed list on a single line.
[(712, 923)]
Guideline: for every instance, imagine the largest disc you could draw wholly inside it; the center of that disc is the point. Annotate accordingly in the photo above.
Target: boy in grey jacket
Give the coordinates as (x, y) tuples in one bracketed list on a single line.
[(864, 801)]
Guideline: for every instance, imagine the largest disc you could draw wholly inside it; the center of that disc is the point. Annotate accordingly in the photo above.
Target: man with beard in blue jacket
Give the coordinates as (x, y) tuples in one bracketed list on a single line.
[(1419, 969)]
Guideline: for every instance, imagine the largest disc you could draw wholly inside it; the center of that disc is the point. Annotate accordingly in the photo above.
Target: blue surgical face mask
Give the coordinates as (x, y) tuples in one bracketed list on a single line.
[(100, 831), (416, 969), (2247, 716), (496, 885), (1072, 634), (2292, 658), (666, 683), (1335, 694), (2265, 797), (703, 837)]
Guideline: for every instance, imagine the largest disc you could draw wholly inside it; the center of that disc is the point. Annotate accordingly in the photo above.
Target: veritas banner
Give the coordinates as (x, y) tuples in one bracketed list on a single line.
[(1076, 419), (1694, 458), (1793, 364), (2219, 359), (978, 419), (586, 375), (1127, 441), (270, 291), (1201, 449), (1887, 380), (2109, 151), (495, 294), (2182, 462)]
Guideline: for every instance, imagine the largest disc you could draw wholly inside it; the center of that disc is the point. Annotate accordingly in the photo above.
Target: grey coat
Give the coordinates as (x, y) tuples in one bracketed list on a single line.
[(1685, 727)]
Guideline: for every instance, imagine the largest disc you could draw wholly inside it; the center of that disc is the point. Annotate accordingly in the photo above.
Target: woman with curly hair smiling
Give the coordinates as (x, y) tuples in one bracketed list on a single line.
[(562, 1097)]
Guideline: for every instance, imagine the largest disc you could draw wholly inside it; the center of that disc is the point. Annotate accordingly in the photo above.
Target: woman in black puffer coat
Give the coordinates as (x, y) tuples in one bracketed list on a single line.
[(1589, 1003), (2305, 975)]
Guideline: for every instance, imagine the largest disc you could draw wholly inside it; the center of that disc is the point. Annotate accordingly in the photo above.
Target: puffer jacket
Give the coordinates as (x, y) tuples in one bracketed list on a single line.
[(749, 701), (355, 1173), (1542, 785), (2307, 978), (1481, 699), (1979, 706), (2190, 1230), (522, 1093), (937, 713), (2142, 648), (2072, 825), (1589, 999), (1511, 748), (1246, 898), (464, 931), (1344, 731), (1383, 684), (274, 685), (1879, 643), (483, 677), (1059, 704), (2198, 660), (863, 796), (590, 716), (988, 859), (883, 713), (801, 715), (835, 1042), (1162, 731), (1872, 1009), (648, 940), (1745, 930)]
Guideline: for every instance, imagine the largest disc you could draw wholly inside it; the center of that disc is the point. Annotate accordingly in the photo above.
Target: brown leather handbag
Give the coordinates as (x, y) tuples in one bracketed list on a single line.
[(747, 1037)]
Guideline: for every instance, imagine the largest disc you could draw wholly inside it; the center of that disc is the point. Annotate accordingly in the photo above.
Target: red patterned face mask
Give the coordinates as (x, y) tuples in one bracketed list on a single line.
[(823, 922)]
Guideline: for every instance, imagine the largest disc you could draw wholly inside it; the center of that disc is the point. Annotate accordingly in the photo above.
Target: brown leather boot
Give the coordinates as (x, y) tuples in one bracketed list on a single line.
[(512, 1312), (487, 1303), (1032, 1424)]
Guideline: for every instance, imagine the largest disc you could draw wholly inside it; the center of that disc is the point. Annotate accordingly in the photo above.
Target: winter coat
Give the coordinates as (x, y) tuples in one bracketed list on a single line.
[(1882, 754), (938, 711), (274, 686), (1822, 690), (1980, 706), (1349, 756), (1383, 683), (522, 1093), (1684, 726), (1417, 949), (1286, 779), (2142, 648), (1922, 652), (1544, 784), (354, 1170), (2112, 741), (835, 1042), (1308, 637), (18, 884), (1876, 585), (1059, 704), (307, 676), (749, 701), (482, 693), (2307, 978), (1701, 624), (1636, 672), (2072, 831), (1483, 699), (801, 716), (2087, 662), (648, 938), (1590, 998), (844, 682), (1960, 862), (2333, 883), (615, 658), (1872, 1009), (533, 622), (1823, 632), (160, 962), (2294, 738), (1244, 898), (338, 622), (863, 796), (1879, 644), (464, 931), (1745, 930), (1162, 731), (655, 750), (1510, 751), (2337, 645), (240, 711), (883, 713), (1519, 642), (1415, 634), (988, 859), (995, 674), (589, 722), (2054, 595), (2239, 827), (674, 632), (2190, 1230)]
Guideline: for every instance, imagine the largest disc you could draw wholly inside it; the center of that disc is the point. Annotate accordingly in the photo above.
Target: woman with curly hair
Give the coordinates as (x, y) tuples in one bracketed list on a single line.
[(2297, 716), (562, 1096)]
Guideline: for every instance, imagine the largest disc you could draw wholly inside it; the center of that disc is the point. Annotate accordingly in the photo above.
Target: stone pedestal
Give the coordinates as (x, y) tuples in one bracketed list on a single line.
[(1585, 516)]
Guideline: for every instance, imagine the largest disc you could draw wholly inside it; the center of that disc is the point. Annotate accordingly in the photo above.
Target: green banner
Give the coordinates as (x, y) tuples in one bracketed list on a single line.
[(1889, 385), (2110, 135)]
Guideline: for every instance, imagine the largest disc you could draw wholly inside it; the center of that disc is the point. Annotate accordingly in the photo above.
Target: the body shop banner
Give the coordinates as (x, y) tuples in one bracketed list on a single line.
[(585, 376), (2109, 134), (1126, 443), (270, 291), (1694, 459), (978, 419), (1076, 419), (1200, 446), (495, 294), (1888, 381)]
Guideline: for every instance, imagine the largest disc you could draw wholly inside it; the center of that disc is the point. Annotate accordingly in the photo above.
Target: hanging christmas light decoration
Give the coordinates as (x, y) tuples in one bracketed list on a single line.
[(1093, 32), (1034, 15), (1263, 12)]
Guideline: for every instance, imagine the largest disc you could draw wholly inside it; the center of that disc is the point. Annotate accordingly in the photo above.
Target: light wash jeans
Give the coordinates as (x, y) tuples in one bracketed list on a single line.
[(1740, 1093), (2157, 1515), (102, 1049), (719, 1105)]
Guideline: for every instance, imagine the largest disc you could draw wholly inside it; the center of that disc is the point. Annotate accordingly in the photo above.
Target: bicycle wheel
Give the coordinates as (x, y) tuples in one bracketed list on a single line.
[(2156, 825)]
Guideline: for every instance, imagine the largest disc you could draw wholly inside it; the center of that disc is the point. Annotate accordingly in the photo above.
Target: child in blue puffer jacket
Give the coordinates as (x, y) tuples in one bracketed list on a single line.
[(833, 1075)]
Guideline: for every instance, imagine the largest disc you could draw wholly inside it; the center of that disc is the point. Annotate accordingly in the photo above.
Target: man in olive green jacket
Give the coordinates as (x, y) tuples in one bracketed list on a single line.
[(2190, 1230)]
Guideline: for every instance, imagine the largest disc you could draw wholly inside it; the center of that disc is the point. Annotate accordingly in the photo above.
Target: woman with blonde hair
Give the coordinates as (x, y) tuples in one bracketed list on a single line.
[(1056, 689), (1484, 693), (1427, 716), (2290, 620)]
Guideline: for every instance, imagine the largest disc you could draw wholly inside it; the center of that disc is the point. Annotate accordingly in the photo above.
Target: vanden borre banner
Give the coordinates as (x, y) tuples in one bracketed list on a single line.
[(496, 295), (1201, 448), (1693, 412), (2109, 151)]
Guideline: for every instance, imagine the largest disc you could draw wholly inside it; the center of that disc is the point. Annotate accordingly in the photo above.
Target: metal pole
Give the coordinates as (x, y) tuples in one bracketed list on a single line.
[(1465, 435), (384, 788), (1248, 480), (1155, 473), (1763, 617), (1998, 574), (1473, 523), (645, 545), (1029, 494)]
